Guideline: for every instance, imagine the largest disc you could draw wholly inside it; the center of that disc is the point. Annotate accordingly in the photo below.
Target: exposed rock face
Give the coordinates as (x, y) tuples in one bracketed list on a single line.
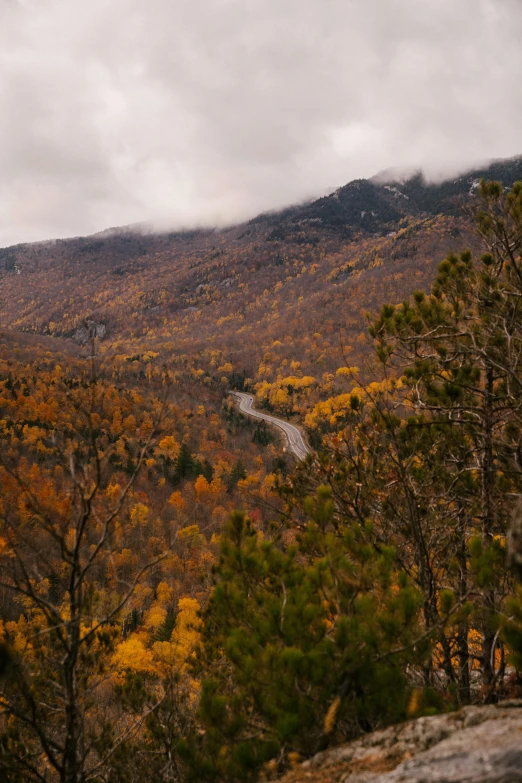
[(88, 331), (475, 745)]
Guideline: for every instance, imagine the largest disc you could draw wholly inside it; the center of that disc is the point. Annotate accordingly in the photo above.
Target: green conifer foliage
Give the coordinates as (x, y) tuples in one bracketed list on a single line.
[(238, 473), (301, 644), (184, 463), (164, 631), (458, 350)]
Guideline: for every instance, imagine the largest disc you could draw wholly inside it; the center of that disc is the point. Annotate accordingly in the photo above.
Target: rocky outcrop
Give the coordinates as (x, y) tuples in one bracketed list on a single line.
[(475, 745), (89, 330)]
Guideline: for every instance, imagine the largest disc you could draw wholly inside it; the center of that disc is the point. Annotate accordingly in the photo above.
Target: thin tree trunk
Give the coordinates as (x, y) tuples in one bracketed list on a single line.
[(488, 519), (464, 693)]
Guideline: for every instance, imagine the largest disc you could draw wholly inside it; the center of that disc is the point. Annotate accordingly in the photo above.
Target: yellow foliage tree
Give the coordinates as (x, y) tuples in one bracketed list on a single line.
[(132, 655)]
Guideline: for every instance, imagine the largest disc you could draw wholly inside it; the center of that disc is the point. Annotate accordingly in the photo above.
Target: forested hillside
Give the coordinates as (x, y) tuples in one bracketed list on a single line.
[(285, 289), (181, 601)]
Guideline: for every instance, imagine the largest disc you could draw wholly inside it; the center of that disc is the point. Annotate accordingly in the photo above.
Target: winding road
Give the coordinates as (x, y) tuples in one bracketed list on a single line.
[(295, 439)]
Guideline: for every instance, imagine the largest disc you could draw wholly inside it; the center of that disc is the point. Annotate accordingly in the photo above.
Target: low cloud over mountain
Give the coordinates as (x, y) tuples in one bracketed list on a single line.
[(210, 111)]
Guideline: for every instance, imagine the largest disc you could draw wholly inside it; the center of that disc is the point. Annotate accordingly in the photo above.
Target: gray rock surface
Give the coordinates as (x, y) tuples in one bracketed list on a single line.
[(89, 330), (475, 745), (490, 752)]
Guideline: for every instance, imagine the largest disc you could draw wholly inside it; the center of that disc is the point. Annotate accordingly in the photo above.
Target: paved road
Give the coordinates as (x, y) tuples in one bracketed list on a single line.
[(295, 440)]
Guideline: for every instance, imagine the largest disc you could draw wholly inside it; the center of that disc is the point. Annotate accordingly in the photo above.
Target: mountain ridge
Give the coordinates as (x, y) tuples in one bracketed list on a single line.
[(506, 170)]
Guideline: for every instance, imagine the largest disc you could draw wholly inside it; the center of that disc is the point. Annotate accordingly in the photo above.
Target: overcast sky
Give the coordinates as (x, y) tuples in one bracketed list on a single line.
[(209, 111)]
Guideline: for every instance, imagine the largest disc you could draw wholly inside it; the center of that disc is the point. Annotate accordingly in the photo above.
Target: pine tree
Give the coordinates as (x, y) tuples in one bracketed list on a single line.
[(204, 469), (238, 473), (458, 350), (288, 633), (164, 632), (262, 435), (184, 462)]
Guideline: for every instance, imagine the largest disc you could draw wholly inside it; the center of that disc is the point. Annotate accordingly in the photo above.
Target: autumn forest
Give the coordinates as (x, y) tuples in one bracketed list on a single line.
[(181, 599)]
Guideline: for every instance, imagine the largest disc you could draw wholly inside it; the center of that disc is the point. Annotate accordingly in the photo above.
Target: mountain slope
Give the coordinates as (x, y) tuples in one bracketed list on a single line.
[(286, 287)]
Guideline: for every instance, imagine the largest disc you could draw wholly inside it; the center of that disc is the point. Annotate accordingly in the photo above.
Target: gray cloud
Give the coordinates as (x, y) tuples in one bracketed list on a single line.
[(204, 111)]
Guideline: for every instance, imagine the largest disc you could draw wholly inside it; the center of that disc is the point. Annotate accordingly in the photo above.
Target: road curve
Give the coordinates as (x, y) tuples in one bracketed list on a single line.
[(295, 440)]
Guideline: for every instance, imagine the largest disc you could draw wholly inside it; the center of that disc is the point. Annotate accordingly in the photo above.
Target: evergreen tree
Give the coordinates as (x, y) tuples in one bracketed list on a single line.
[(204, 469), (301, 644), (431, 453), (164, 631), (262, 435), (459, 352), (184, 462), (279, 465), (238, 473)]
